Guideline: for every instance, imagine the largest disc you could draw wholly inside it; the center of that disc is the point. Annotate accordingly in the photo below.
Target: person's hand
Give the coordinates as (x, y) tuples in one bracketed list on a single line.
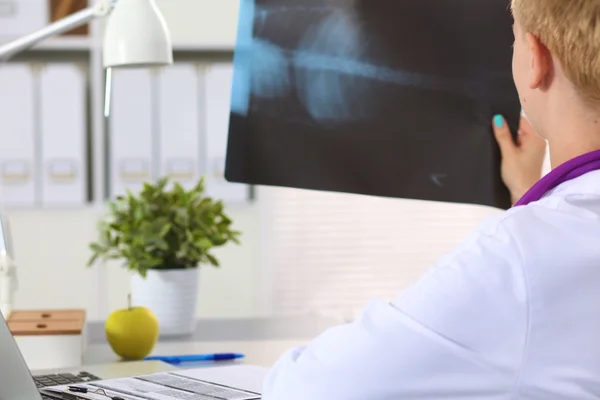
[(522, 162)]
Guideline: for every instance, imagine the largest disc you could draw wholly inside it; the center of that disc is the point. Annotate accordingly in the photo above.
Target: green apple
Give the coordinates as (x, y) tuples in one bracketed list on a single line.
[(132, 333)]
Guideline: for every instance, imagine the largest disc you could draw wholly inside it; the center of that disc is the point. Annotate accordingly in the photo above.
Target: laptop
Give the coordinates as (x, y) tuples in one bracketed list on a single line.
[(214, 383)]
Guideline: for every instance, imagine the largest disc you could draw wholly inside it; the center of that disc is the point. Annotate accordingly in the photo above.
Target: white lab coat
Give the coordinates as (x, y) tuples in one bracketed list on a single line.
[(512, 313)]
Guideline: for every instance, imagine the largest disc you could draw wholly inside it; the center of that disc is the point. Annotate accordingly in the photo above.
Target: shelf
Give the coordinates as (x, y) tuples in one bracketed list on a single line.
[(79, 44), (203, 47), (66, 43), (85, 43), (63, 43)]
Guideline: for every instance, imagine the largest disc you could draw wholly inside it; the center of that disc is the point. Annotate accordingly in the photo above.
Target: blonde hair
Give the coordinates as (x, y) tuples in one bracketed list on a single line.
[(570, 29)]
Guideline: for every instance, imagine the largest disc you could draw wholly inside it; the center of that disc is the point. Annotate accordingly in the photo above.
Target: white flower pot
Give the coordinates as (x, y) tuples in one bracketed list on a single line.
[(171, 295)]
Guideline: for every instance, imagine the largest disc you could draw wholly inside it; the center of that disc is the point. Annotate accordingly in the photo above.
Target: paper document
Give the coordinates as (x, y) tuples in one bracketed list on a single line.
[(244, 377), (163, 386), (94, 393)]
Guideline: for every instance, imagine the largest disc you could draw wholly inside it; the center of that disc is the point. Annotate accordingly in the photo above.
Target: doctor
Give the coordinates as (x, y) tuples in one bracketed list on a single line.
[(514, 311)]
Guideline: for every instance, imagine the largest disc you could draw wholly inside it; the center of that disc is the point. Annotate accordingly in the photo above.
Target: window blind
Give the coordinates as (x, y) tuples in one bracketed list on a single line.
[(331, 253)]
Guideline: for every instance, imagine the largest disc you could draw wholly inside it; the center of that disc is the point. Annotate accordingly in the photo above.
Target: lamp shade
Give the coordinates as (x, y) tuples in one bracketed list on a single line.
[(136, 35)]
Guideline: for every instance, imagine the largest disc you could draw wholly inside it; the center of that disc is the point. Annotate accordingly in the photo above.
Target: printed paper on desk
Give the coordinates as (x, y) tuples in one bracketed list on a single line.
[(247, 377), (164, 386), (94, 393)]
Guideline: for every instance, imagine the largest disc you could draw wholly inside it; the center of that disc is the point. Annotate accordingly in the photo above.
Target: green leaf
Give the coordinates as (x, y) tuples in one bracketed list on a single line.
[(212, 260), (95, 247), (164, 230), (164, 226), (92, 260)]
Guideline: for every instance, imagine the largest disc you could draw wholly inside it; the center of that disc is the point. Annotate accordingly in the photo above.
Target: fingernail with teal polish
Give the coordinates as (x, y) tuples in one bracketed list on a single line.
[(498, 121)]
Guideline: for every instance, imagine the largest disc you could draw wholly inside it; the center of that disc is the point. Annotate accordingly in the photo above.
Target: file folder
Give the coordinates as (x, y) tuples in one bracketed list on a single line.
[(179, 135), (218, 86), (17, 135), (63, 135), (21, 17), (131, 130)]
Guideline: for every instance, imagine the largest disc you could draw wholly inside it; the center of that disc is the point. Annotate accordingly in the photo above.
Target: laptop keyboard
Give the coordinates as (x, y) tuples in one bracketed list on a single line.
[(64, 379)]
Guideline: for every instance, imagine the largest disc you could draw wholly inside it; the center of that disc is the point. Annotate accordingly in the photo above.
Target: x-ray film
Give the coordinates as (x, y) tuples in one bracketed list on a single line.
[(389, 98)]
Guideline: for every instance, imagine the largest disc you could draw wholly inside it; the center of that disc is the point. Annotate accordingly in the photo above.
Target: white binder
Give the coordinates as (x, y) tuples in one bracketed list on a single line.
[(21, 17), (17, 135), (179, 136), (217, 100), (131, 130), (63, 135)]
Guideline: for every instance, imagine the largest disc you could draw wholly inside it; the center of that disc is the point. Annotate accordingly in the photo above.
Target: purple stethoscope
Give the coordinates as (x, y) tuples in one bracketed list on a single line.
[(572, 169)]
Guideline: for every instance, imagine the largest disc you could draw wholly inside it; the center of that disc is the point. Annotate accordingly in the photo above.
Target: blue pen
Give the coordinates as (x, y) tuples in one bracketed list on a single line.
[(195, 358)]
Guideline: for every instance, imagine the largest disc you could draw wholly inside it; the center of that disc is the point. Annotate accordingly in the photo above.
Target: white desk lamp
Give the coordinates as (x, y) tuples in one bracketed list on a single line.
[(136, 35)]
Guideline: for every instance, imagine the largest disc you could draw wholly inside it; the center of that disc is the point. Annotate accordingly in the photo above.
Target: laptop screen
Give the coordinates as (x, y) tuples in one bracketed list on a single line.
[(16, 382)]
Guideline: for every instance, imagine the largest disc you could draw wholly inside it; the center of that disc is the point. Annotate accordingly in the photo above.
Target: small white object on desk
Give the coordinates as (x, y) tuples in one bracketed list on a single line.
[(49, 339)]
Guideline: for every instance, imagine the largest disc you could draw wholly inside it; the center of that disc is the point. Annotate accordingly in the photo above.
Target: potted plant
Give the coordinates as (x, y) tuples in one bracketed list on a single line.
[(163, 235)]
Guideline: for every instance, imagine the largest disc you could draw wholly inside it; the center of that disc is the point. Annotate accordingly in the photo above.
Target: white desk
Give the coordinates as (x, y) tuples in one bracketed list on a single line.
[(258, 352), (261, 340)]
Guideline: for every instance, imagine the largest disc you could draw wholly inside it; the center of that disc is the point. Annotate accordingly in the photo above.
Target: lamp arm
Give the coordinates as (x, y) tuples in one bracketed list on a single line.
[(100, 9)]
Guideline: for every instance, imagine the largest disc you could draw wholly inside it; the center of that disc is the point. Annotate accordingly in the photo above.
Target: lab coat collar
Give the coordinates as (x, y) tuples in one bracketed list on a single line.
[(572, 169)]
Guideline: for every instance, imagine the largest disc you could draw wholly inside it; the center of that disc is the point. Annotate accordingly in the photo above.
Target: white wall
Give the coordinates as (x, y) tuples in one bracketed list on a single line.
[(51, 251), (194, 22)]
